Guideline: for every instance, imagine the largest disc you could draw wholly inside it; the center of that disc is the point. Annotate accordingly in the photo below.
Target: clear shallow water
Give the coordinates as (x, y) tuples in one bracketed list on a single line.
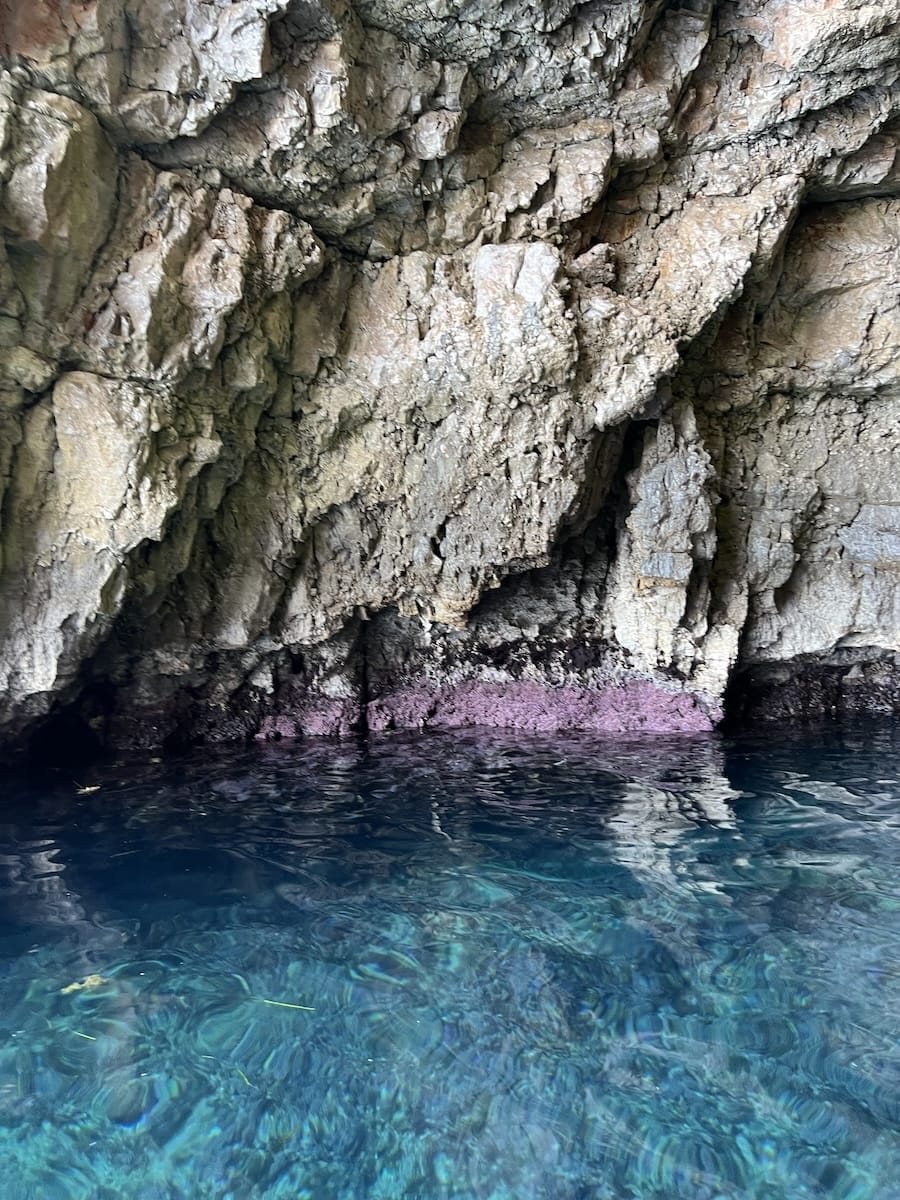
[(558, 968)]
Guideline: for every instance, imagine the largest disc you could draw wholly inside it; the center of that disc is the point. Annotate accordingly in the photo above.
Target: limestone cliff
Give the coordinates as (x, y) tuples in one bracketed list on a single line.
[(397, 363)]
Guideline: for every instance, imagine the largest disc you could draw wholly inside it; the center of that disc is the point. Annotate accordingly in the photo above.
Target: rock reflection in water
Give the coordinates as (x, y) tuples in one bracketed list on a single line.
[(456, 966)]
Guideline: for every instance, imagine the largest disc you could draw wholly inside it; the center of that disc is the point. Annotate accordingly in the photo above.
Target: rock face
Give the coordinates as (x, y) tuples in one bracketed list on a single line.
[(378, 364)]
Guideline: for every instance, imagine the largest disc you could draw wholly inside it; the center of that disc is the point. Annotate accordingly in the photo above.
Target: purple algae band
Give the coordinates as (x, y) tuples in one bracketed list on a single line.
[(540, 707)]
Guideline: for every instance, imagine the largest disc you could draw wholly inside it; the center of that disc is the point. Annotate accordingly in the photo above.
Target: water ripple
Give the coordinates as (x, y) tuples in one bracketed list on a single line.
[(456, 966)]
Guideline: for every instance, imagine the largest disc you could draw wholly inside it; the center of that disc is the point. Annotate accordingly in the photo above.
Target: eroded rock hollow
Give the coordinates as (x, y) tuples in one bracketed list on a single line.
[(392, 364)]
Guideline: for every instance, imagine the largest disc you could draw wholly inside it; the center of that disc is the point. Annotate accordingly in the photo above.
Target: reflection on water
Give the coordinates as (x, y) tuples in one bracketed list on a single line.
[(456, 966)]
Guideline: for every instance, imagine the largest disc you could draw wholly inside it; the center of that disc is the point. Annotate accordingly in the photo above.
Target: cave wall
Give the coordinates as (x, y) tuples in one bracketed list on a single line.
[(385, 364)]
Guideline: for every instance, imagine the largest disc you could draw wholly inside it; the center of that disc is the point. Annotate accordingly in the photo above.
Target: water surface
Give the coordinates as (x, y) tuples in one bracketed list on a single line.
[(456, 966)]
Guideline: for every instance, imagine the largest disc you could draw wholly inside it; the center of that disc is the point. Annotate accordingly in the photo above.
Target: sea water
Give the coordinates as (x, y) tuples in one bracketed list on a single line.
[(474, 966)]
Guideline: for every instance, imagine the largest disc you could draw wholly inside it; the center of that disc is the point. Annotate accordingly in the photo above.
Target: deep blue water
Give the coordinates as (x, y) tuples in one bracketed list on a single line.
[(555, 968)]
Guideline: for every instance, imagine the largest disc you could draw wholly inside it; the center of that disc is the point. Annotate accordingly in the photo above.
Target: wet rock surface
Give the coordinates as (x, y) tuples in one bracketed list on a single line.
[(380, 365)]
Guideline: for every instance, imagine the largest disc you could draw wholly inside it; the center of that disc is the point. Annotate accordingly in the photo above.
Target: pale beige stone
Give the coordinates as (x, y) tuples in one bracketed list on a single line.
[(530, 342)]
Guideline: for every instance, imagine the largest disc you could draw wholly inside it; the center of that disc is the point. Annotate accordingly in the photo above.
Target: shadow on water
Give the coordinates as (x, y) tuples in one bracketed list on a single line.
[(456, 966)]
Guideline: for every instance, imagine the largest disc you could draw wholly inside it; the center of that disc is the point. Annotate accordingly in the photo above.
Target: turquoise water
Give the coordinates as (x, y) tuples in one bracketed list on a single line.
[(456, 966)]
